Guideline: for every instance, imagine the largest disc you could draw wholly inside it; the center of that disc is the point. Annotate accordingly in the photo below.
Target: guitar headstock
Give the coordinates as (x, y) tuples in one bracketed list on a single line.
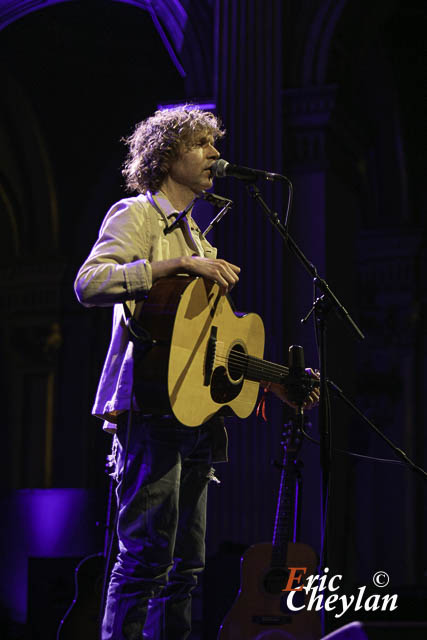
[(293, 434)]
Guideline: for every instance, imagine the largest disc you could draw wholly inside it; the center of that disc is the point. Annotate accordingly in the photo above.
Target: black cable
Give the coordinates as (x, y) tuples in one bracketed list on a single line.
[(353, 453), (116, 519), (289, 204), (361, 456)]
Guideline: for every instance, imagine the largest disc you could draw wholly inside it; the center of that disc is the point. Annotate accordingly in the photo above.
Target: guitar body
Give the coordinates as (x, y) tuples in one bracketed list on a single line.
[(195, 367), (257, 614)]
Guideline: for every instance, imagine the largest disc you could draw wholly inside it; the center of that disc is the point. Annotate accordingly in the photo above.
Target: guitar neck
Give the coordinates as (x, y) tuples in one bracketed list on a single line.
[(285, 522), (257, 369), (285, 525)]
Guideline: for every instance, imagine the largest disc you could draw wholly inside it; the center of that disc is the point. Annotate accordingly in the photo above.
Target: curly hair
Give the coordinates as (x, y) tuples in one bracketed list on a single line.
[(159, 140)]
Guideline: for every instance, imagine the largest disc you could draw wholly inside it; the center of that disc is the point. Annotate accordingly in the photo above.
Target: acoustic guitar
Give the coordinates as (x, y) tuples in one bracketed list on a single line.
[(82, 620), (195, 356), (260, 611)]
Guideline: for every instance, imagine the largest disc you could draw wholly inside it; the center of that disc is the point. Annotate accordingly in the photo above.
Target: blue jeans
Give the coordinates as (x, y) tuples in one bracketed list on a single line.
[(161, 529)]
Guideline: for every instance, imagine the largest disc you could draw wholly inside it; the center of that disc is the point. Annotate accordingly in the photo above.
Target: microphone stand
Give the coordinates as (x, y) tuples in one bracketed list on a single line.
[(399, 452), (212, 198), (321, 308), (218, 217)]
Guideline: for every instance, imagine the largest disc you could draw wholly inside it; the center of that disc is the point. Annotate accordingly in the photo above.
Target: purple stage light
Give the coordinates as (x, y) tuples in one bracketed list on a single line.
[(43, 523), (205, 106)]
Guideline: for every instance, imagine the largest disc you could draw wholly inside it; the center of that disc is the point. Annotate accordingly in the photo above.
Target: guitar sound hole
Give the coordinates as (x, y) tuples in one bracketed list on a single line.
[(222, 390), (297, 602), (236, 362), (275, 580)]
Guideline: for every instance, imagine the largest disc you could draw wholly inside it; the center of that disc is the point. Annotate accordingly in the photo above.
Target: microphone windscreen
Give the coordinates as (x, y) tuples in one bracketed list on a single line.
[(296, 358), (218, 169)]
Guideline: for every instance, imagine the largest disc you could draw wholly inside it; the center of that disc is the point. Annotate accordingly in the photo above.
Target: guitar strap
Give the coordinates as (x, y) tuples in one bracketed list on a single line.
[(193, 240), (156, 207), (140, 337)]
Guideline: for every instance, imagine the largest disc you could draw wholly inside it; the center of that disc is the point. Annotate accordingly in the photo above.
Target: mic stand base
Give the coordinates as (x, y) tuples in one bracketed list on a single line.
[(399, 453)]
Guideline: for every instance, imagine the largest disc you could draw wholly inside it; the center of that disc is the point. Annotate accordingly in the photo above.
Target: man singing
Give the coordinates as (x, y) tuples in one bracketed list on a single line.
[(163, 478)]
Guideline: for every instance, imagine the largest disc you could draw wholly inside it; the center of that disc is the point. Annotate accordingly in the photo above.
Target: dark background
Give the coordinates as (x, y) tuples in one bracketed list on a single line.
[(333, 93)]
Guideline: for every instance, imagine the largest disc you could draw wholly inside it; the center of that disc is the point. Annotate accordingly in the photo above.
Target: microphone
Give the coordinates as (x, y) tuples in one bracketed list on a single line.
[(222, 169), (298, 383), (296, 361)]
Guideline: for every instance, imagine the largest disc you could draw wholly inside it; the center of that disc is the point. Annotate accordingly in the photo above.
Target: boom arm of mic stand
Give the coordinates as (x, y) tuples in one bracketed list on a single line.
[(321, 284)]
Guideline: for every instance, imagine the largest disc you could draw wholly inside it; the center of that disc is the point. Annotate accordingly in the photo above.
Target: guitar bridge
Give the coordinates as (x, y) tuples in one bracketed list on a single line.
[(210, 356)]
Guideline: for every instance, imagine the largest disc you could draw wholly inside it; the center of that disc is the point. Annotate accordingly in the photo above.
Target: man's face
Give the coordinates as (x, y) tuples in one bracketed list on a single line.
[(192, 168)]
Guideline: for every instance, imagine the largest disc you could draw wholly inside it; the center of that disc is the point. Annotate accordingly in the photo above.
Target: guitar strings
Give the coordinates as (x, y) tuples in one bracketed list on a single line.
[(252, 360), (256, 361), (256, 365)]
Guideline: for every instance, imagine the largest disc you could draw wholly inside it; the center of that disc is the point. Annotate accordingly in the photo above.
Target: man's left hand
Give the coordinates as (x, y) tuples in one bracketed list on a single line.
[(280, 391)]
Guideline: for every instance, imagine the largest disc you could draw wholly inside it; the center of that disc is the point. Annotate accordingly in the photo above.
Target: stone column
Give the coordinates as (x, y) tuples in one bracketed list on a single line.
[(248, 79), (323, 224)]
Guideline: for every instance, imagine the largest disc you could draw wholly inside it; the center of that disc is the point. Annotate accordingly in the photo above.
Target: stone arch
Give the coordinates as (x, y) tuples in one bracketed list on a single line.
[(182, 26), (328, 64), (326, 24), (345, 128), (369, 210), (321, 30), (185, 28), (27, 190)]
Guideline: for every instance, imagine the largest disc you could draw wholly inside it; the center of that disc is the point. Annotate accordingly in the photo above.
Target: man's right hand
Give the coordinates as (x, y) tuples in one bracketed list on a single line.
[(224, 273)]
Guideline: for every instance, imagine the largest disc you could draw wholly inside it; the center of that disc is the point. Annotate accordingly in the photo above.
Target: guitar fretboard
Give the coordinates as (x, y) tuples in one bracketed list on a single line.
[(285, 524), (258, 369)]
